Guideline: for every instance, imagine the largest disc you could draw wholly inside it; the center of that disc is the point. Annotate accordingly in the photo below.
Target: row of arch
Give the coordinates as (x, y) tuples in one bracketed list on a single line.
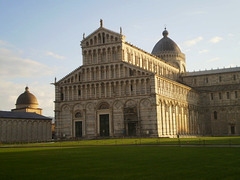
[(102, 38), (177, 119), (170, 89), (25, 130), (127, 87), (101, 55), (102, 104), (103, 72), (90, 111), (210, 79), (149, 62)]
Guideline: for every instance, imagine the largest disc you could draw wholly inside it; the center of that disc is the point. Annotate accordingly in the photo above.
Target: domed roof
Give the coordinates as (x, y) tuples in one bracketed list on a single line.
[(26, 98), (165, 44)]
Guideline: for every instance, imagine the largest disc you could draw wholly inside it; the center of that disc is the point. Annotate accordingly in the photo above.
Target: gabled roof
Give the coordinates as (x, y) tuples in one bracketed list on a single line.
[(22, 115), (69, 74), (101, 29)]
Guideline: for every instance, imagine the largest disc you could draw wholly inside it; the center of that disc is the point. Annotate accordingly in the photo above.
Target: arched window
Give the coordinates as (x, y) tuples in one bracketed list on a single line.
[(228, 95), (95, 40), (215, 114), (234, 77), (99, 39), (220, 79), (104, 106), (78, 115), (220, 95), (103, 38)]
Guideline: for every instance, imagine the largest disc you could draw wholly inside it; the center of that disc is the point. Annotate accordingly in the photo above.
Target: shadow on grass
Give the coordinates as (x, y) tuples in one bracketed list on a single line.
[(120, 162)]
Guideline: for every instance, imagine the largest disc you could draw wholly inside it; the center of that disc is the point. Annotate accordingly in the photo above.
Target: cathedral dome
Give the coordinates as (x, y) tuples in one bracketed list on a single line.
[(165, 45), (27, 99)]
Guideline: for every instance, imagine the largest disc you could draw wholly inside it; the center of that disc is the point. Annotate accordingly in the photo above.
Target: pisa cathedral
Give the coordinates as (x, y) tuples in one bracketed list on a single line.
[(123, 91)]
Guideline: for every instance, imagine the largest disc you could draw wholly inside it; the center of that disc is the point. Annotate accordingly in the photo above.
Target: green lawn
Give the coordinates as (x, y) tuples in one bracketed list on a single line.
[(120, 162), (142, 141)]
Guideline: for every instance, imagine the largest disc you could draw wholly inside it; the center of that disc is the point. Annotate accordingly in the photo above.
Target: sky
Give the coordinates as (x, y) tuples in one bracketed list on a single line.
[(40, 39)]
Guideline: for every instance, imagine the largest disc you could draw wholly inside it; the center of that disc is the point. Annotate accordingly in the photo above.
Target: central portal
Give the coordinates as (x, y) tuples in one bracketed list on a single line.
[(104, 125), (78, 129), (132, 129)]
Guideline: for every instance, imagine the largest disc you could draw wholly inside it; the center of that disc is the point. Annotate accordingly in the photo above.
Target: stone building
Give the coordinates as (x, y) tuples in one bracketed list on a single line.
[(122, 90), (25, 123)]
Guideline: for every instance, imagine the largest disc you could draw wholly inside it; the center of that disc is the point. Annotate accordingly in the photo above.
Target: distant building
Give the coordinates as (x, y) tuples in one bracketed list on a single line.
[(25, 123), (121, 90)]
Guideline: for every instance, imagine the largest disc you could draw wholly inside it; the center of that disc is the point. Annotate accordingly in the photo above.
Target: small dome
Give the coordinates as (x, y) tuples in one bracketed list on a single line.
[(27, 98), (165, 44)]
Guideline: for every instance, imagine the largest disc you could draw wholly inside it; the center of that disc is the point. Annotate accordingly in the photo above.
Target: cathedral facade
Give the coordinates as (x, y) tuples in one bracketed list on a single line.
[(121, 90)]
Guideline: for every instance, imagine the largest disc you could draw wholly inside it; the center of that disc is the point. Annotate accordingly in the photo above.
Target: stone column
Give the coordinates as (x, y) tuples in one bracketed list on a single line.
[(119, 88), (99, 73), (86, 92), (100, 90), (110, 89), (90, 91), (175, 121), (109, 72), (95, 90), (129, 87), (145, 85), (170, 120), (160, 119), (81, 89), (89, 74), (163, 119), (68, 93), (73, 94), (135, 87), (124, 87), (105, 88)]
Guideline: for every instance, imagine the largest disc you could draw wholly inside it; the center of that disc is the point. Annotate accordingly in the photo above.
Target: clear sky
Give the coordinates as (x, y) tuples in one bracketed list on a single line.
[(39, 40)]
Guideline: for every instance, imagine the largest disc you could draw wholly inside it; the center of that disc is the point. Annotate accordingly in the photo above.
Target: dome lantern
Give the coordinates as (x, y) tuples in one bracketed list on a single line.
[(165, 33)]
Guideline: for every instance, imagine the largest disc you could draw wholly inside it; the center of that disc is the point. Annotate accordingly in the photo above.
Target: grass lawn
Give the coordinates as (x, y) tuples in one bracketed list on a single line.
[(141, 141), (120, 162)]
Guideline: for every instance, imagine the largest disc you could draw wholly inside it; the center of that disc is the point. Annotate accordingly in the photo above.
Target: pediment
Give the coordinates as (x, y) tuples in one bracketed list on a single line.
[(101, 36)]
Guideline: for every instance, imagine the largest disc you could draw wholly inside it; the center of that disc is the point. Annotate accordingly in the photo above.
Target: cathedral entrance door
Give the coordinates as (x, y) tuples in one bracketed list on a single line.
[(104, 125), (132, 129), (78, 129)]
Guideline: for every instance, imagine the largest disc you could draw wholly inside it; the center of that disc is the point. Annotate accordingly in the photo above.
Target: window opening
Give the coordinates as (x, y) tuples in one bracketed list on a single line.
[(220, 95), (215, 114), (228, 95)]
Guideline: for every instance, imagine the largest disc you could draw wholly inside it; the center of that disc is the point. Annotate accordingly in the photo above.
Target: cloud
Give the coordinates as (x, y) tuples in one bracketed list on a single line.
[(13, 65), (48, 53), (187, 50), (198, 12), (203, 51), (3, 43), (230, 35), (193, 41), (215, 39), (214, 59)]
